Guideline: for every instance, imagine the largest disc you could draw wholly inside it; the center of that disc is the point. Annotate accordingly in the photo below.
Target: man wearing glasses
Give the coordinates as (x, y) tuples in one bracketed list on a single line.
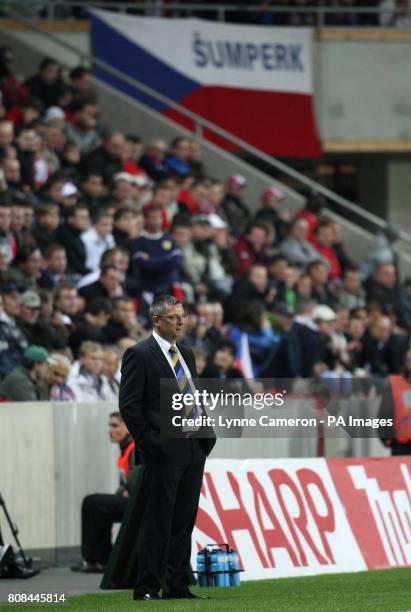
[(172, 468)]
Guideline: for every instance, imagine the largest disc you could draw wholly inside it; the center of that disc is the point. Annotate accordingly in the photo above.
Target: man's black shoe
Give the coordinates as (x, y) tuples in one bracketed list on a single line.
[(146, 597), (184, 595), (88, 568)]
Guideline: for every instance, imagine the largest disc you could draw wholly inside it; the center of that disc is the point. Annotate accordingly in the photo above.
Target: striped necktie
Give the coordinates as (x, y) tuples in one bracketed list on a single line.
[(183, 382)]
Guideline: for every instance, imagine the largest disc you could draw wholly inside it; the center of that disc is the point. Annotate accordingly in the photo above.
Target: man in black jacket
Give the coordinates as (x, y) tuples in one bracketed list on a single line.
[(68, 235), (172, 468)]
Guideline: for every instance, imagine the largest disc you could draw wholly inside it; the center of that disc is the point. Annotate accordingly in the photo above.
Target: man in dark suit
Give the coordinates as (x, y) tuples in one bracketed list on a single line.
[(172, 468)]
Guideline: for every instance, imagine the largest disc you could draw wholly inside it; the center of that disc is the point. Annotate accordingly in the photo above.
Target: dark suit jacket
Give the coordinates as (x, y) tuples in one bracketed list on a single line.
[(143, 366)]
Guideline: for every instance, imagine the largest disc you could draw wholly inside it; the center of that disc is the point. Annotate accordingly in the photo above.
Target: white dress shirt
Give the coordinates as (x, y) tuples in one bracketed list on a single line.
[(95, 247), (165, 347)]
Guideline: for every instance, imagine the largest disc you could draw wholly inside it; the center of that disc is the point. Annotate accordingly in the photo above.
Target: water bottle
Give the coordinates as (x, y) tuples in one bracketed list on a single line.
[(217, 567), (201, 568), (234, 564)]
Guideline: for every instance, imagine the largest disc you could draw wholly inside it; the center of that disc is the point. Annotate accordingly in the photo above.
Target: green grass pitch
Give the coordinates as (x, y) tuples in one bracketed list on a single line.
[(374, 591)]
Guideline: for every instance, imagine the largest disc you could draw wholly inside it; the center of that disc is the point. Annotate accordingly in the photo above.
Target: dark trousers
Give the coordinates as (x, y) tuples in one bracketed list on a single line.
[(170, 492), (98, 513)]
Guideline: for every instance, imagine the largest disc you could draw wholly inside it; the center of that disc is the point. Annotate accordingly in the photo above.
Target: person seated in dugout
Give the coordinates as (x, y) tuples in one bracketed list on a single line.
[(100, 510)]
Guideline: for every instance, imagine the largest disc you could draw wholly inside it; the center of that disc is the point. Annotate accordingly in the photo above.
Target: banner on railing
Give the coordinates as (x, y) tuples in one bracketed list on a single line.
[(294, 517), (253, 81)]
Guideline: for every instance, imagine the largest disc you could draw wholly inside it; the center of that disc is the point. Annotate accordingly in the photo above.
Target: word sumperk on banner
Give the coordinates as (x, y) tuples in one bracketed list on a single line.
[(253, 81)]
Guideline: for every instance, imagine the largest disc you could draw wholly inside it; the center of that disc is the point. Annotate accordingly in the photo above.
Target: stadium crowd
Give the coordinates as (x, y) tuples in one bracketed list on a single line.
[(95, 224)]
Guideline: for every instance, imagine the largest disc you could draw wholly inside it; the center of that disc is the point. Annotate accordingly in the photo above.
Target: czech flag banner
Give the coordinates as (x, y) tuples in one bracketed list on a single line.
[(253, 81)]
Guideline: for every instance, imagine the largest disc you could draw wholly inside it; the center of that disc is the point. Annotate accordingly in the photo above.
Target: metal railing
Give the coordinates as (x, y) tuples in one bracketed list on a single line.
[(200, 123), (319, 16)]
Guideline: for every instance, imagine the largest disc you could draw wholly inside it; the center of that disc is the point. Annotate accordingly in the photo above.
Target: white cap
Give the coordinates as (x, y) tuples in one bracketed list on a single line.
[(216, 222), (323, 313), (68, 189), (53, 112), (124, 176)]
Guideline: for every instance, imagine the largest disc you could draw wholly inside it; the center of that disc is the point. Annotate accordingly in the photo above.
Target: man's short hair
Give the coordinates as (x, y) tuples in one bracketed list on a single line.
[(53, 248), (45, 208), (98, 305), (88, 346), (116, 415), (158, 307), (48, 61), (78, 72)]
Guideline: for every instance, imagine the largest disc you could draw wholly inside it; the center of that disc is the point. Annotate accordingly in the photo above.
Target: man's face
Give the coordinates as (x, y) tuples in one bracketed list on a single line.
[(258, 278), (319, 274), (123, 311), (29, 315), (182, 235), (111, 279), (224, 359), (51, 220), (351, 281), (116, 145), (11, 303), (110, 364), (381, 329), (50, 73), (162, 197), (182, 150), (32, 265), (57, 374), (157, 148), (57, 262), (124, 222), (5, 218), (200, 195), (80, 220), (6, 134), (117, 430), (28, 217), (104, 226), (92, 362), (17, 218), (93, 186), (84, 83), (324, 236), (122, 190), (216, 194), (12, 170), (257, 238), (68, 302), (153, 221), (171, 325), (42, 372), (385, 275), (300, 230)]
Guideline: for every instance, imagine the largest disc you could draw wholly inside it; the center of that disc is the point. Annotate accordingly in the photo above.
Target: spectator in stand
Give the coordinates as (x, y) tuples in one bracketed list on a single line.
[(12, 173), (47, 84), (156, 255), (46, 224), (21, 233), (94, 193), (381, 251), (97, 239), (59, 370), (69, 236), (90, 324), (107, 160), (321, 291), (311, 212), (338, 246), (13, 341), (56, 264), (194, 160), (195, 200), (70, 162), (194, 265), (134, 147), (270, 212), (111, 367), (7, 240), (253, 335), (128, 225), (109, 285), (350, 294), (28, 381), (81, 129), (233, 208), (177, 161), (323, 244), (13, 92), (29, 313), (123, 322), (26, 268), (81, 84), (354, 335), (251, 247), (152, 161), (120, 259), (221, 363), (25, 114), (381, 288), (6, 137), (55, 117), (380, 352), (86, 380), (296, 247), (215, 197), (66, 303), (251, 288)]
